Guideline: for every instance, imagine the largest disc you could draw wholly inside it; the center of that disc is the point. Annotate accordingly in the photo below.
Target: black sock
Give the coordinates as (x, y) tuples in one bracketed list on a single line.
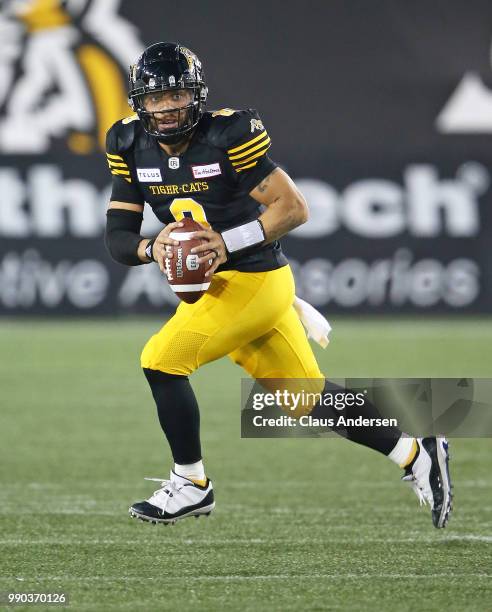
[(382, 439), (178, 413)]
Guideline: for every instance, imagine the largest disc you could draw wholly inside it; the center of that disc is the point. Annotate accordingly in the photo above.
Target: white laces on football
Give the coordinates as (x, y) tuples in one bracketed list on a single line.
[(167, 490), (419, 492)]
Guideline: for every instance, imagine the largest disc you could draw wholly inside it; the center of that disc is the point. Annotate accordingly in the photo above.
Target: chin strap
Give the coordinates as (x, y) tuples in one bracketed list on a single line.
[(317, 327)]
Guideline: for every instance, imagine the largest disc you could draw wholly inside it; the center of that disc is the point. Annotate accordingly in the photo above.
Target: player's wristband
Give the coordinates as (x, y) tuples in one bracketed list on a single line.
[(148, 250), (243, 236)]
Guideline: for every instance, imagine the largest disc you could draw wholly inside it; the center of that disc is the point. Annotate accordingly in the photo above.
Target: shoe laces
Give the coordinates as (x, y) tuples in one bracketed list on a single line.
[(418, 490), (167, 490)]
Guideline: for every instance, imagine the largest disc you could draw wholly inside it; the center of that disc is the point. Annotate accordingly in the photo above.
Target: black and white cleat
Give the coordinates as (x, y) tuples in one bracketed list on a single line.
[(176, 499), (429, 476)]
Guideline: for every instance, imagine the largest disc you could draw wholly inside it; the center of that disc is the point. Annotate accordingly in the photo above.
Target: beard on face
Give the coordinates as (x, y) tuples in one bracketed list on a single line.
[(162, 121)]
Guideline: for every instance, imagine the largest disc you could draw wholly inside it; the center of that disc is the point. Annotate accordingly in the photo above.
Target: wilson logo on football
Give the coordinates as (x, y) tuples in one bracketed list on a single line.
[(188, 281), (58, 83), (167, 265)]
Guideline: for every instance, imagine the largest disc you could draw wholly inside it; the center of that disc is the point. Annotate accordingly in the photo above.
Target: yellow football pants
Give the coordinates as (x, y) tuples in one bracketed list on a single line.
[(246, 315)]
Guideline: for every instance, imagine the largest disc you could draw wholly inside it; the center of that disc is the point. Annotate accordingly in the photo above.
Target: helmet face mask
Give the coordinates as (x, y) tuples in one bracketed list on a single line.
[(164, 117), (162, 69)]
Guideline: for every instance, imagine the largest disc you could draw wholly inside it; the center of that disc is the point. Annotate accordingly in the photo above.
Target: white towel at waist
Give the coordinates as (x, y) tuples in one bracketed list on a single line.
[(317, 327)]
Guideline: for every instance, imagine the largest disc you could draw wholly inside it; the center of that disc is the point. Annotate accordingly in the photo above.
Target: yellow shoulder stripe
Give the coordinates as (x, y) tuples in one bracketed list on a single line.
[(263, 143), (246, 167), (120, 171), (114, 156), (113, 164), (249, 143), (244, 161)]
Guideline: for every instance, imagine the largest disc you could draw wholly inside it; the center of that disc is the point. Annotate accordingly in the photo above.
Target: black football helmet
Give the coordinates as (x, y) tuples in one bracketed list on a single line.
[(166, 67)]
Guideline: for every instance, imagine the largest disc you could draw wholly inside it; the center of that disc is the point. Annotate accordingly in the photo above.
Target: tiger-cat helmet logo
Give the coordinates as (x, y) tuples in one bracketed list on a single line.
[(63, 66)]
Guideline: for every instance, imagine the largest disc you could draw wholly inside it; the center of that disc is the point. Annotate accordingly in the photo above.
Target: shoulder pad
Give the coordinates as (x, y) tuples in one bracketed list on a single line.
[(228, 127), (121, 135)]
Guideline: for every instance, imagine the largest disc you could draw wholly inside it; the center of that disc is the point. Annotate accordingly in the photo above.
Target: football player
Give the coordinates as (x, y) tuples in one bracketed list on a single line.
[(213, 166)]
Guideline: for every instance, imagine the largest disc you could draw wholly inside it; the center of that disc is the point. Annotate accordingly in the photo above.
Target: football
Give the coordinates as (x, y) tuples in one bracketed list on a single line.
[(185, 275)]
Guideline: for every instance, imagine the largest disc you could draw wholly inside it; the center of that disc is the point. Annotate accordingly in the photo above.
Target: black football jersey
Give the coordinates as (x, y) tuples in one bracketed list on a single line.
[(210, 181)]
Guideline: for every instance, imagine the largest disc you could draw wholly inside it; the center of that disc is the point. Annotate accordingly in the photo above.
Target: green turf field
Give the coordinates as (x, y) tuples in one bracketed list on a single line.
[(310, 524)]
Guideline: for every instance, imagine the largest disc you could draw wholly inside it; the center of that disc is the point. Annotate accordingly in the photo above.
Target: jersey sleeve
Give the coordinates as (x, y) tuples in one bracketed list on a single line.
[(247, 143), (124, 187)]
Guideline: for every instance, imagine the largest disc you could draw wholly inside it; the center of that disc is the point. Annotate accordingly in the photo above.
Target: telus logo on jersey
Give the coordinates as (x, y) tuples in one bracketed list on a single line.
[(149, 175), (206, 170)]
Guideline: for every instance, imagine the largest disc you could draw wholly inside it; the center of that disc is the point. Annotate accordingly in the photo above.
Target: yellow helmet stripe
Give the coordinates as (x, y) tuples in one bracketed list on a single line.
[(250, 142), (248, 151)]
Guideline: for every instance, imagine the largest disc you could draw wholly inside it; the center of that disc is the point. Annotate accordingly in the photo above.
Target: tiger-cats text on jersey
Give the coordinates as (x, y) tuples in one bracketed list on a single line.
[(210, 182)]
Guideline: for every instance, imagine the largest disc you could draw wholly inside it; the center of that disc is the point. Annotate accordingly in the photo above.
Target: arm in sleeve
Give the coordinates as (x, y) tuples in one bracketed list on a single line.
[(122, 236)]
